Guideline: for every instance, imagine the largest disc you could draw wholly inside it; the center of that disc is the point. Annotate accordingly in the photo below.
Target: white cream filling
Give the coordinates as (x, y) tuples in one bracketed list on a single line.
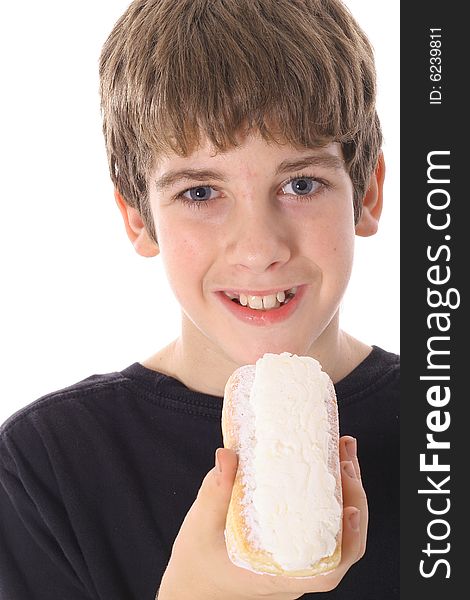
[(291, 510)]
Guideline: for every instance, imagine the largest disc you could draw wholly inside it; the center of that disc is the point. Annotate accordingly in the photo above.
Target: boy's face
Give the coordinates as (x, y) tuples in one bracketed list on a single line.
[(258, 218)]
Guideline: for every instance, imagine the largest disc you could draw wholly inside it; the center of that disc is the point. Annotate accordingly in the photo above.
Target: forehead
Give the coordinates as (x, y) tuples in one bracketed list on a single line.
[(251, 150)]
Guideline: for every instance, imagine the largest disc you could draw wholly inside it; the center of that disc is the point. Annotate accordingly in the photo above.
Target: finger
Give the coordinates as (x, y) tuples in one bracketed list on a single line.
[(348, 451), (351, 537), (209, 510), (354, 495)]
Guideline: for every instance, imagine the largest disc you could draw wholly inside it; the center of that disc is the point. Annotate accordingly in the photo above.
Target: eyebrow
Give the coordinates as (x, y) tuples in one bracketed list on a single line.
[(168, 179)]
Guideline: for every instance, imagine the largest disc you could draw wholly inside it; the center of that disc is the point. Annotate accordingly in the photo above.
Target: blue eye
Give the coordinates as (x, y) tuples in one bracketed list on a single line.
[(202, 192), (301, 186)]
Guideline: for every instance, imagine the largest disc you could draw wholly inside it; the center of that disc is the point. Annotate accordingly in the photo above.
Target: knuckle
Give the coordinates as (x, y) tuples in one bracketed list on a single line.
[(331, 585), (362, 551)]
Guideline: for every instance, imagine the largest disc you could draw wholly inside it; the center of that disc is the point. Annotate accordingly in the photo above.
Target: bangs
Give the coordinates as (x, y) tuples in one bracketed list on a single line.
[(232, 67)]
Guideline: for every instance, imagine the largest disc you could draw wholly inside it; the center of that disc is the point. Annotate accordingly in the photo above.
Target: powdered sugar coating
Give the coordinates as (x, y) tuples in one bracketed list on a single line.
[(244, 423)]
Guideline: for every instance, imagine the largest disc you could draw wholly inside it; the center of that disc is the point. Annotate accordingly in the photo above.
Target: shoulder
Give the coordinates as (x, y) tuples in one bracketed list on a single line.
[(63, 430), (377, 374), (384, 366), (369, 401), (65, 400)]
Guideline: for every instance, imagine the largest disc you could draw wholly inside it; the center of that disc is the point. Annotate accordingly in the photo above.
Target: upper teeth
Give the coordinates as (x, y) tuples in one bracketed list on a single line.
[(260, 302)]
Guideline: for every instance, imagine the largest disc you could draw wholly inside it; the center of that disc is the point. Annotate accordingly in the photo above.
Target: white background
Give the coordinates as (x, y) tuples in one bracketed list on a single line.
[(76, 299)]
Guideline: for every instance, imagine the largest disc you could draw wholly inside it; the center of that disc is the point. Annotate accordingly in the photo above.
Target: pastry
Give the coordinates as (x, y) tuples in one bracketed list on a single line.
[(285, 515)]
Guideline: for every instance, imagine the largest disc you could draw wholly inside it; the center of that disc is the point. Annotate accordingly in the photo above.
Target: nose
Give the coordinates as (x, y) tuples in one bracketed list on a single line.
[(258, 237)]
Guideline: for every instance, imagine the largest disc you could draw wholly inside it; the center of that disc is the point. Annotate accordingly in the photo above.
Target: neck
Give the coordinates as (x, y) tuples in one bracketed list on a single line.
[(202, 367)]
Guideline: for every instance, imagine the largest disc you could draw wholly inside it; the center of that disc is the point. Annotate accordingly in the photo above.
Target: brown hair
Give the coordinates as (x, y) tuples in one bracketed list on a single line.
[(297, 70)]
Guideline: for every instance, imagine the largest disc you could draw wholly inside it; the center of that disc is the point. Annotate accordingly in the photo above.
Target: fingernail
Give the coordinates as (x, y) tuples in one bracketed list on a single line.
[(351, 447), (348, 468), (354, 520), (217, 461)]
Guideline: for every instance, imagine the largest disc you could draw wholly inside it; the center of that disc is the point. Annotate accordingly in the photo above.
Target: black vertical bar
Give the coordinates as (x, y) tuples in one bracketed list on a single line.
[(435, 266)]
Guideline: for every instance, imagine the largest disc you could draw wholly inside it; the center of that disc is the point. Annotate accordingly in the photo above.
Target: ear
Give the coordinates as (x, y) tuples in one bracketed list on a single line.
[(373, 200), (135, 228)]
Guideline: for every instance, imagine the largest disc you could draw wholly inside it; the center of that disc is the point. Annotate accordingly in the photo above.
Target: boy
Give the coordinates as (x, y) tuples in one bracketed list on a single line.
[(244, 147)]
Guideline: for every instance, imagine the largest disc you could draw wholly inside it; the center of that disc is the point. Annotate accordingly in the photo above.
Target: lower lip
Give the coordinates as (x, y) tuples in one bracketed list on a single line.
[(263, 317)]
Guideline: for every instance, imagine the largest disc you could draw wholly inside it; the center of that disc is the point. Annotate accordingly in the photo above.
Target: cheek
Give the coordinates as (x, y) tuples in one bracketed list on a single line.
[(331, 241), (185, 254)]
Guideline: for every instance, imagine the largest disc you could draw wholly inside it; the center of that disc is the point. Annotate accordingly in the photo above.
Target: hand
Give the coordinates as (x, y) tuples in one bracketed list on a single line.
[(200, 569)]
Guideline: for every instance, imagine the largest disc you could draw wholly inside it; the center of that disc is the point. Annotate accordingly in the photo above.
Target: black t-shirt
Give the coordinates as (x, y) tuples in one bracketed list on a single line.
[(96, 478)]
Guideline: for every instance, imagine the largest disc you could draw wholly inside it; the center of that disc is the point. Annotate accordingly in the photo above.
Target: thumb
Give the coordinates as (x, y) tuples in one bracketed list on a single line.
[(214, 495)]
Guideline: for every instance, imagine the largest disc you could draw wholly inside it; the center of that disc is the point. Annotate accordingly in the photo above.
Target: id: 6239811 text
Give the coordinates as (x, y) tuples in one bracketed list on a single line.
[(435, 65)]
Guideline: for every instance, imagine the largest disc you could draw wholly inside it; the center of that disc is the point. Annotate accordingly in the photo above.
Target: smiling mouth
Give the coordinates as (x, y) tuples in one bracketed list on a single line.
[(263, 303)]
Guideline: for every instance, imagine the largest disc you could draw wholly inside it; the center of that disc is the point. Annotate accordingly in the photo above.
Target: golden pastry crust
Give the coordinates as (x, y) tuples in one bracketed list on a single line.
[(240, 550)]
